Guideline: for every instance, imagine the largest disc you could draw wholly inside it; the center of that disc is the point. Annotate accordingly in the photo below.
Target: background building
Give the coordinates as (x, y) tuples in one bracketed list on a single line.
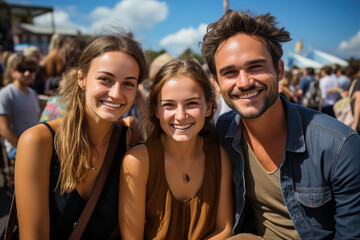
[(18, 31)]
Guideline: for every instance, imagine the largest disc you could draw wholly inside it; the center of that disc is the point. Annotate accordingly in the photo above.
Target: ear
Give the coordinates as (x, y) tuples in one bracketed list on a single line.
[(216, 84), (81, 80), (208, 109), (280, 72)]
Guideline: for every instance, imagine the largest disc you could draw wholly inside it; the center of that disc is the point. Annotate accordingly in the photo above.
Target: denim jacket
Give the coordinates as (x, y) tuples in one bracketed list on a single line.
[(319, 174)]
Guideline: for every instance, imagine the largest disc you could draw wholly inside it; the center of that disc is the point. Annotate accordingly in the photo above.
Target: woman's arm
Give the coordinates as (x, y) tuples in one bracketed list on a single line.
[(224, 215), (32, 174), (132, 193), (356, 110)]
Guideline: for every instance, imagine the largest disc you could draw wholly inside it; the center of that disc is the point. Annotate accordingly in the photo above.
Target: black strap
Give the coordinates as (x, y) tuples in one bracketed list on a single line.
[(90, 205)]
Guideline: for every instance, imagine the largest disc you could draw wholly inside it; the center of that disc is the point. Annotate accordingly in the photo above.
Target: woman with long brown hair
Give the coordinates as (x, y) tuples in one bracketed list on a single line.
[(58, 163)]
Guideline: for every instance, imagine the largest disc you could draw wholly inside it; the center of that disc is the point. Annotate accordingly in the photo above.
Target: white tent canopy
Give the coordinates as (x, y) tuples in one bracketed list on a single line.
[(326, 58), (315, 59)]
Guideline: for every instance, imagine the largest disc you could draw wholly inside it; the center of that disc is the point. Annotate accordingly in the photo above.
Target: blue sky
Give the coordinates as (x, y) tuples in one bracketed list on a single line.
[(331, 26)]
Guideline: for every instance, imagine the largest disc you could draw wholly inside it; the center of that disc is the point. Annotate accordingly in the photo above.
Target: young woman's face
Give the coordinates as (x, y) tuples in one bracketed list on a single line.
[(110, 85), (182, 108)]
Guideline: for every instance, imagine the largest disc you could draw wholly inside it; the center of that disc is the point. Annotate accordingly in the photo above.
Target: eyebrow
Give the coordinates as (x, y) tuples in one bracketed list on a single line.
[(109, 73), (171, 100), (250, 62)]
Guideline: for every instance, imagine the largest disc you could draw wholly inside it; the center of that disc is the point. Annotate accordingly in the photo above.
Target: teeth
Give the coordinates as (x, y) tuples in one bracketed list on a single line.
[(181, 127), (249, 95), (111, 104)]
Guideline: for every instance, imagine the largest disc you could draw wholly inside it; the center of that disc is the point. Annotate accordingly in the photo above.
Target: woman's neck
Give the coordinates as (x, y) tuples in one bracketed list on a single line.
[(99, 133), (182, 150)]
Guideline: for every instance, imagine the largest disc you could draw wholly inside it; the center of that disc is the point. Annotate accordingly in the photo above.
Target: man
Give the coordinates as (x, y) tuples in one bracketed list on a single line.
[(328, 81), (19, 106), (296, 171), (343, 80), (308, 75)]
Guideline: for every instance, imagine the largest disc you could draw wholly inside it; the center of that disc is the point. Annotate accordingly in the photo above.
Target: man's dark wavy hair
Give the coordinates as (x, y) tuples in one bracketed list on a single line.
[(234, 22)]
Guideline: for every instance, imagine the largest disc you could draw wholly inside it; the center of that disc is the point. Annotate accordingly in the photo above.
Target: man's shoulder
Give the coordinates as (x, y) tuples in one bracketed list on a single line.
[(8, 91), (225, 119), (227, 116), (227, 124), (314, 121), (7, 88)]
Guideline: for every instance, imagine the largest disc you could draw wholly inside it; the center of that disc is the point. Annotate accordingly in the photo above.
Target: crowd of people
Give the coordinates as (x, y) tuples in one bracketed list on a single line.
[(236, 147)]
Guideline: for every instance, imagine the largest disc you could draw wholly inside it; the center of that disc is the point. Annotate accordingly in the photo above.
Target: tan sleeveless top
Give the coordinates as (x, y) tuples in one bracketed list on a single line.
[(169, 218)]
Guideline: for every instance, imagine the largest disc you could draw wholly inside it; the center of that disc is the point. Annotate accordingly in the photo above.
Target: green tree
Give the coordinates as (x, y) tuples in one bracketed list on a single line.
[(188, 53), (150, 55)]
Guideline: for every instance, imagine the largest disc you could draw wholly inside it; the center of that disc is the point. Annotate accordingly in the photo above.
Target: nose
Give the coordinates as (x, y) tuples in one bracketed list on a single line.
[(243, 80), (27, 72), (115, 91), (180, 113)]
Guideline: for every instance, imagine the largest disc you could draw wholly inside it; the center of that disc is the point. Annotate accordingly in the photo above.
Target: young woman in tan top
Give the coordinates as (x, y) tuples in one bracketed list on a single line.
[(178, 184)]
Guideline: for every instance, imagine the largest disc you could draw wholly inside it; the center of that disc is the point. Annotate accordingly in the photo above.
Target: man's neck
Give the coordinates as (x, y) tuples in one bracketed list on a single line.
[(267, 134), (21, 87)]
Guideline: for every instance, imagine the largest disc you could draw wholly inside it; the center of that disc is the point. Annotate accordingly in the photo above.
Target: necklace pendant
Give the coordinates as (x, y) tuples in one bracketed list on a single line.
[(186, 178)]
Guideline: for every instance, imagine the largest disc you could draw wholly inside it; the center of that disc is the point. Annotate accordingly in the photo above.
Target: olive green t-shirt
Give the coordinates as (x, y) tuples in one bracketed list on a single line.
[(264, 195)]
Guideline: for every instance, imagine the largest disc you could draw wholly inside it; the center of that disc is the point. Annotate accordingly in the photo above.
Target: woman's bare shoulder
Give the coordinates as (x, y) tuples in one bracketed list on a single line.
[(39, 132), (136, 160)]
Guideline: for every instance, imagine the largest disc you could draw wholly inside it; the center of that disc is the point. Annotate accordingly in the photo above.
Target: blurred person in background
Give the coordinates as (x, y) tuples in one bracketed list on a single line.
[(68, 55), (327, 82), (2, 71), (343, 80), (308, 76), (8, 78), (19, 105), (52, 64), (286, 88), (4, 57), (353, 71), (39, 83)]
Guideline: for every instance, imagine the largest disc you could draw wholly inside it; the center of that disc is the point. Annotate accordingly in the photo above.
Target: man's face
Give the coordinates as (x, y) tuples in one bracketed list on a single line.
[(24, 74), (246, 76)]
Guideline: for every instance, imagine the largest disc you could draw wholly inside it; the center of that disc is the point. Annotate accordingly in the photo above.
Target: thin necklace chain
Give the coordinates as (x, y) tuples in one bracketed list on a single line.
[(95, 152), (185, 176)]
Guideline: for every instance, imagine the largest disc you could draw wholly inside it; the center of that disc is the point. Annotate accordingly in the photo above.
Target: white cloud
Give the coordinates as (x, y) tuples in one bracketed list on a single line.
[(183, 39), (61, 18), (351, 46), (132, 15)]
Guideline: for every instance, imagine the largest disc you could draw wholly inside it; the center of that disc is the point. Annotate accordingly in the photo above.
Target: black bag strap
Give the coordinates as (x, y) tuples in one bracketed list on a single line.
[(94, 196)]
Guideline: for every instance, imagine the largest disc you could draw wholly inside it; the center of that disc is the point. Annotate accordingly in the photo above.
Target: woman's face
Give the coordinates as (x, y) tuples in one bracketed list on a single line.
[(182, 108), (110, 85)]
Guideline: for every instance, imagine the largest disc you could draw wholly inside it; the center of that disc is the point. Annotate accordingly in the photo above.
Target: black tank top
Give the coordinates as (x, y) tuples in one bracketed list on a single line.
[(66, 209)]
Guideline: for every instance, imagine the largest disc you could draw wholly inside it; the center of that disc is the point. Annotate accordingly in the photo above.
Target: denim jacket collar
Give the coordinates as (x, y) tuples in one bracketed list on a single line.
[(295, 140)]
